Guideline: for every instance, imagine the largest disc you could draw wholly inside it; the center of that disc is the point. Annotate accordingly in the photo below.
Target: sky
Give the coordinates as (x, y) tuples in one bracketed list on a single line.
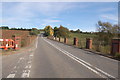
[(73, 15)]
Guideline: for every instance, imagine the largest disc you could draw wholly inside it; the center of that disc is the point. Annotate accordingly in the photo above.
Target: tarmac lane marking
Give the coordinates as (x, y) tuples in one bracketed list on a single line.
[(11, 76)]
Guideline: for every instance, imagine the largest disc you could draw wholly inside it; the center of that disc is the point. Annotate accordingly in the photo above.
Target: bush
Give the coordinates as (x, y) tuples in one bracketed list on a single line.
[(23, 43), (34, 32), (117, 55)]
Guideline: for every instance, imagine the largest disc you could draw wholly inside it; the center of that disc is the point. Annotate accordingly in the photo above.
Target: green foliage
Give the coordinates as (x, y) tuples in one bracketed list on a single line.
[(23, 43), (56, 31), (4, 27), (34, 31), (81, 37), (61, 32), (23, 29), (117, 55), (107, 31), (48, 31), (77, 31)]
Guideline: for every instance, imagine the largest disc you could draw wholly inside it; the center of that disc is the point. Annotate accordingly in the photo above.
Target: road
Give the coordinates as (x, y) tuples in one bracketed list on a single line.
[(51, 59)]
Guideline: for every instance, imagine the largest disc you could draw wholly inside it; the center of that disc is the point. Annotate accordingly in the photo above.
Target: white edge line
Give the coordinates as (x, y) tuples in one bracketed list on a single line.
[(109, 58), (81, 62), (36, 42)]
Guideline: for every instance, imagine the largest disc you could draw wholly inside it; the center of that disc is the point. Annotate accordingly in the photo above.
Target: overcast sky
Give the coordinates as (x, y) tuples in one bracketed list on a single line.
[(73, 15)]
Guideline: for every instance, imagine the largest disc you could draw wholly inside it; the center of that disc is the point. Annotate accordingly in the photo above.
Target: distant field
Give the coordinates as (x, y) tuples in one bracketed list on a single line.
[(7, 34), (81, 37)]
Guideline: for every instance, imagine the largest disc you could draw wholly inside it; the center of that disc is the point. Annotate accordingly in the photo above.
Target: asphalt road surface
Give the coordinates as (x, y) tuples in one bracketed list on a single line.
[(51, 59)]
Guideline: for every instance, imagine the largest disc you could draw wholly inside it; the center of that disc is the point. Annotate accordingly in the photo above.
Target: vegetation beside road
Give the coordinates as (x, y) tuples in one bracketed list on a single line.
[(22, 50), (101, 39), (27, 36)]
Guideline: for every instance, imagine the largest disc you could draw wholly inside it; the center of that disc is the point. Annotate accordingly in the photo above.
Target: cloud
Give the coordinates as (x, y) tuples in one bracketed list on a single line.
[(110, 17), (29, 9), (51, 21), (74, 28), (106, 9), (56, 8), (43, 24), (68, 24), (26, 12)]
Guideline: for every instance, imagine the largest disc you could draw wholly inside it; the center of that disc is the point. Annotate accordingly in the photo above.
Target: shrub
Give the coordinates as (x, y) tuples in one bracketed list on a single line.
[(117, 55), (34, 32)]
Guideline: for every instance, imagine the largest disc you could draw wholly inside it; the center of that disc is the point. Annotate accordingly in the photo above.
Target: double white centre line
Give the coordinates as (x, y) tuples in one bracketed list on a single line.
[(84, 63)]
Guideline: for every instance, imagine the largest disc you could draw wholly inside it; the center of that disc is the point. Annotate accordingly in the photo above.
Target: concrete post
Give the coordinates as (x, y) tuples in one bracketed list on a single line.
[(115, 47), (65, 40), (75, 42), (59, 39), (88, 43), (56, 38)]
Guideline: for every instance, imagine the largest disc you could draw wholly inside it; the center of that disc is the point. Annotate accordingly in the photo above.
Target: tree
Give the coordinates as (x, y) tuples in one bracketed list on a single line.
[(72, 31), (63, 32), (48, 31), (56, 31), (78, 31), (4, 27), (34, 31), (107, 31)]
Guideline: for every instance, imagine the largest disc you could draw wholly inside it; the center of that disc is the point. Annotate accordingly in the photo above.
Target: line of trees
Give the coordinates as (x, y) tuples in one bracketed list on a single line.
[(107, 31), (33, 31), (76, 31), (7, 28), (57, 32)]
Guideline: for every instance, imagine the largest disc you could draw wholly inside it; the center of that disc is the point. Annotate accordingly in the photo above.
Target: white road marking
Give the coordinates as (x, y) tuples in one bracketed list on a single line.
[(36, 42), (31, 55), (109, 58), (18, 61), (24, 71), (29, 62), (84, 63), (15, 67), (28, 66), (11, 76), (26, 74), (13, 72), (21, 58)]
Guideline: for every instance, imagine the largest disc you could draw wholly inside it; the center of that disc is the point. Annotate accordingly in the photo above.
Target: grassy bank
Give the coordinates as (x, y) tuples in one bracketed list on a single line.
[(105, 49)]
